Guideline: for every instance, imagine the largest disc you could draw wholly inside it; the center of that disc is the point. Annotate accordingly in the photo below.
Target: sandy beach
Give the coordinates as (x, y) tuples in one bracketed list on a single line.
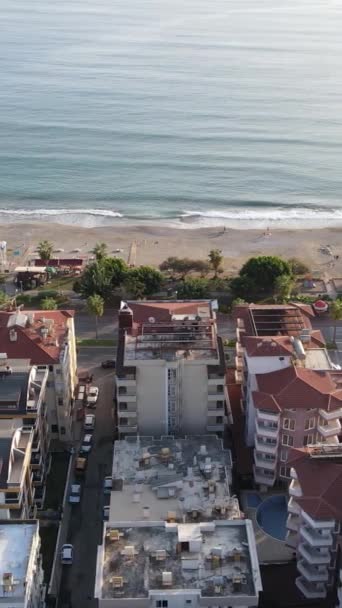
[(153, 244)]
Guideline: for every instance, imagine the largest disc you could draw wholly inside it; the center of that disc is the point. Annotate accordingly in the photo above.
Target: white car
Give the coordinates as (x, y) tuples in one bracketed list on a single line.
[(59, 250), (67, 554), (86, 444), (75, 494), (107, 485), (89, 422), (92, 397)]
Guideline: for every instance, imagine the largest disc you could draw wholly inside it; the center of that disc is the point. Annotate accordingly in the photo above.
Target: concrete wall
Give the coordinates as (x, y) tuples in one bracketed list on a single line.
[(194, 398), (151, 398), (263, 365)]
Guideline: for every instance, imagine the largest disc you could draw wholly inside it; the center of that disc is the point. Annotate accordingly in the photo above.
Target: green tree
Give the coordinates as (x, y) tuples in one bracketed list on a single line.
[(4, 299), (180, 266), (45, 250), (297, 266), (215, 260), (48, 304), (95, 280), (193, 289), (100, 251), (135, 287), (149, 277), (95, 306), (336, 314), (283, 286), (116, 269), (262, 271)]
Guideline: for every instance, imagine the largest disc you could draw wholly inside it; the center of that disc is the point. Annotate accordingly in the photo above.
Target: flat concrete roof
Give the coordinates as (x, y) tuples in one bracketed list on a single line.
[(15, 549)]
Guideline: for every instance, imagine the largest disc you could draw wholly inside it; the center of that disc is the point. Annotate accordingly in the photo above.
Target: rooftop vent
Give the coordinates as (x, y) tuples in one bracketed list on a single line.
[(117, 582), (128, 551), (160, 555), (203, 450)]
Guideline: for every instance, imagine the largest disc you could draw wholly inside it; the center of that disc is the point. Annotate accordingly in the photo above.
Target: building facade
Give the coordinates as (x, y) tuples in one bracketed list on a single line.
[(315, 516), (170, 369), (47, 340)]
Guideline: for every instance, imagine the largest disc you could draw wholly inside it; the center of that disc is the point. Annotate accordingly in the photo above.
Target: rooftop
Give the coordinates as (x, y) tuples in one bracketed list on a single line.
[(168, 478), (298, 387), (36, 335), (169, 330), (13, 444), (16, 540), (319, 475), (216, 559), (20, 392), (274, 320)]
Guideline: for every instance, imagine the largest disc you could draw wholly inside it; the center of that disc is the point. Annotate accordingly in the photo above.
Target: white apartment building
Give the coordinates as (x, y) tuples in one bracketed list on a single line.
[(291, 391), (170, 369), (162, 565), (21, 574), (315, 516), (172, 479), (47, 340)]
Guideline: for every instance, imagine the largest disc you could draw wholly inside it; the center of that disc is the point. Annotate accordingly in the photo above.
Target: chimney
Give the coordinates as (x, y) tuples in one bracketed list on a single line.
[(125, 318)]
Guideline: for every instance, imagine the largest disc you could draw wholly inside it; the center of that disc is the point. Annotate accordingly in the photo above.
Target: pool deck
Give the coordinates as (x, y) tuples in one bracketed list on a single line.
[(270, 550)]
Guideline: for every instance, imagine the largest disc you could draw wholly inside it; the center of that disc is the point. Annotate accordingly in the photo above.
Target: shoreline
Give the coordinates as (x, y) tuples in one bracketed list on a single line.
[(154, 243)]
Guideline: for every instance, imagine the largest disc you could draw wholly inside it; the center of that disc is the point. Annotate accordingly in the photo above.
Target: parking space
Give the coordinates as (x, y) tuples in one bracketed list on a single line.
[(86, 518)]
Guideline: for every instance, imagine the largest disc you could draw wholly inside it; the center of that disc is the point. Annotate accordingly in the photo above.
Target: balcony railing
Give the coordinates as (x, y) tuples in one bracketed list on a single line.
[(127, 398), (332, 428), (318, 524), (293, 522), (315, 539), (215, 427), (266, 416), (312, 573), (269, 430), (126, 381), (263, 477), (311, 590), (314, 556), (293, 506), (127, 413), (269, 447), (333, 415), (265, 463), (295, 489), (127, 428)]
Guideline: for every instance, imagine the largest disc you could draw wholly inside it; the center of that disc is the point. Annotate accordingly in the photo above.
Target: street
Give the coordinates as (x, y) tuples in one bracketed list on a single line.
[(86, 521), (107, 325)]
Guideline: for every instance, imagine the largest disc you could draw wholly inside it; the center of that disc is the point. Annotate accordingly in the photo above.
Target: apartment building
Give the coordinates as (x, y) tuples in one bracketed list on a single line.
[(21, 572), (47, 340), (291, 390), (162, 565), (172, 479), (170, 369), (315, 516)]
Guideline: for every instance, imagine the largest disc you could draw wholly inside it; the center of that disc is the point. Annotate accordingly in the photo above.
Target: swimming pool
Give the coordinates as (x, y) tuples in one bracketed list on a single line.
[(253, 500), (271, 516)]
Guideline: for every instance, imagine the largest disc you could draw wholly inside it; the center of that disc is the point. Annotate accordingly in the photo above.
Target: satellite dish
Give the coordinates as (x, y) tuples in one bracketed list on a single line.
[(151, 320)]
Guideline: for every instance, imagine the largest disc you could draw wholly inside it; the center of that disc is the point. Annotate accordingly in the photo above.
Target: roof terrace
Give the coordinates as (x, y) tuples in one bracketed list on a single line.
[(16, 542), (139, 560)]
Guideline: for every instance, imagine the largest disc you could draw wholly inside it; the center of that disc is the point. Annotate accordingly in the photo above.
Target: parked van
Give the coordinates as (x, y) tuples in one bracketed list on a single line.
[(89, 422)]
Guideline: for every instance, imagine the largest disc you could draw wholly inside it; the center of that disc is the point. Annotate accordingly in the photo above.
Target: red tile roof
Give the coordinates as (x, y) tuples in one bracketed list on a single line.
[(298, 387), (163, 311), (321, 484), (29, 343), (277, 346), (244, 312)]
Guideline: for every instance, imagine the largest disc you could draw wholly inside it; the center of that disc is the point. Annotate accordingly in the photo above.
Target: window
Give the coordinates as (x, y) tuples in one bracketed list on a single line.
[(287, 440), (219, 388), (161, 604), (123, 421), (54, 428), (283, 455), (60, 401), (122, 390), (219, 419), (49, 383), (62, 430), (188, 601), (308, 439), (285, 471), (50, 368), (309, 424), (123, 405), (289, 424), (219, 405)]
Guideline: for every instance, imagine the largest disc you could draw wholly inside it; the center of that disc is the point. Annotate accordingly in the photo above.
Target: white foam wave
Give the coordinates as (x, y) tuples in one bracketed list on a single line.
[(87, 218)]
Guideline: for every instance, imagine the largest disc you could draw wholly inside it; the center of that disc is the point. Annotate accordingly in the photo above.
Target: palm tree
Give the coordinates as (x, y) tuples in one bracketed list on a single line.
[(95, 305), (100, 251), (215, 260), (336, 314), (45, 250)]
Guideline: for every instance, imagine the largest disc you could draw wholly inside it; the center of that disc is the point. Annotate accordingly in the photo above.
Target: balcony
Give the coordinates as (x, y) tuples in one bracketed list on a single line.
[(318, 524), (291, 539), (215, 411), (295, 489), (127, 381), (263, 477), (330, 429), (313, 573), (293, 507), (216, 397), (264, 463), (293, 522), (266, 416), (314, 556), (310, 590), (267, 430), (127, 413), (127, 398), (333, 415), (239, 363), (215, 380), (269, 447), (314, 538), (215, 427), (127, 428)]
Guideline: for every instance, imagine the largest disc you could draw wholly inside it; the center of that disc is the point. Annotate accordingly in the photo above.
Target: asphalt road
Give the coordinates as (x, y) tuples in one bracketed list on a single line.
[(86, 521), (107, 325)]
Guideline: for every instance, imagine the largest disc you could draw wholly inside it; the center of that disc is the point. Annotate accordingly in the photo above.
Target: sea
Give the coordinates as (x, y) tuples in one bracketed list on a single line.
[(185, 113)]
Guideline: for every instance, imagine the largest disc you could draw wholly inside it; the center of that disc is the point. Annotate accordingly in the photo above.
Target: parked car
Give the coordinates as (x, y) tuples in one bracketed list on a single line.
[(89, 422), (92, 397), (86, 444), (80, 466), (108, 364), (106, 510), (107, 484), (67, 554), (75, 494)]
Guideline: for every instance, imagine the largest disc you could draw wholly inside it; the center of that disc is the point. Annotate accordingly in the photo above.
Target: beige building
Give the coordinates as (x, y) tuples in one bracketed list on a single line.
[(172, 479), (47, 340), (162, 565), (170, 369)]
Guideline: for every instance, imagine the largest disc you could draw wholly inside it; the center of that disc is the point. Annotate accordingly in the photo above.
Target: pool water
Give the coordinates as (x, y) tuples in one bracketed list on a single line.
[(271, 516), (253, 500)]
